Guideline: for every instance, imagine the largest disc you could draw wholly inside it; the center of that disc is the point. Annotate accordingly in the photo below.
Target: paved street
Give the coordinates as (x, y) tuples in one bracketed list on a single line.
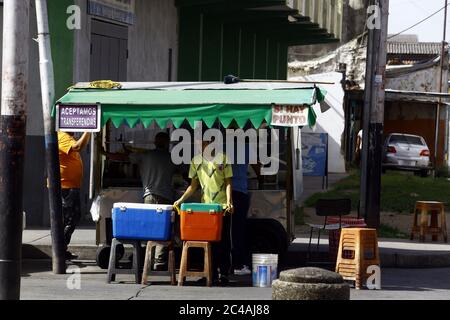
[(39, 283)]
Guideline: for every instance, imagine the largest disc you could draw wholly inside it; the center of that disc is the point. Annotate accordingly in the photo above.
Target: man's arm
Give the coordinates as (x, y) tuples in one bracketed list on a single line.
[(82, 142), (229, 195), (188, 193)]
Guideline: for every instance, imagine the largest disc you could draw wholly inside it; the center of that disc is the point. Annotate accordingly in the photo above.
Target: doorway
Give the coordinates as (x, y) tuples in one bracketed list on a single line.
[(109, 51)]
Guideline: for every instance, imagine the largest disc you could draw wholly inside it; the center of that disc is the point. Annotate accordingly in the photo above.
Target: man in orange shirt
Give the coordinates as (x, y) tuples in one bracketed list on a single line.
[(71, 168)]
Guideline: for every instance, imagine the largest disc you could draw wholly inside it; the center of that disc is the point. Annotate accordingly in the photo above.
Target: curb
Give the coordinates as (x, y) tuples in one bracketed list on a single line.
[(292, 258)]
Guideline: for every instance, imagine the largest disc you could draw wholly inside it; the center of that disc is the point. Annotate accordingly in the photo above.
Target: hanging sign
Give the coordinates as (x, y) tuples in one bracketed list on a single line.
[(290, 115), (117, 10), (78, 117)]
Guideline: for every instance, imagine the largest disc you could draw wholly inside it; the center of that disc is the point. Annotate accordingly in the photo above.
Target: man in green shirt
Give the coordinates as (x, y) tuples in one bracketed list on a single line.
[(213, 174)]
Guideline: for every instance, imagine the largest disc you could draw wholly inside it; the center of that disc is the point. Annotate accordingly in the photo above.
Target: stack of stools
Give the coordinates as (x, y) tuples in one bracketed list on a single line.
[(358, 249), (113, 268), (429, 226), (200, 224), (149, 262)]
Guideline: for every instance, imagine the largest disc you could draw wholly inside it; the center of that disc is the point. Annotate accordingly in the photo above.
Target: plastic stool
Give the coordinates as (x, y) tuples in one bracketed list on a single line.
[(436, 209), (335, 235), (149, 262), (113, 268), (207, 269), (358, 249)]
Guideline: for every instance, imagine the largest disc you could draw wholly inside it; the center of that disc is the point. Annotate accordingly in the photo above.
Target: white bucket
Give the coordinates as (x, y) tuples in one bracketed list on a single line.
[(264, 269)]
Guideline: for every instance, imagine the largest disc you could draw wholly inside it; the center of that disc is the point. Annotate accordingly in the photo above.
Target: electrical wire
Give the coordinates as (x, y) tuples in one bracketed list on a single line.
[(416, 24)]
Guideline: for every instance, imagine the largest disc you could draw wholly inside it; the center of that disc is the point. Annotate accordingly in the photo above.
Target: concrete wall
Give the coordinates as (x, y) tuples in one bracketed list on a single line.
[(426, 80), (155, 32)]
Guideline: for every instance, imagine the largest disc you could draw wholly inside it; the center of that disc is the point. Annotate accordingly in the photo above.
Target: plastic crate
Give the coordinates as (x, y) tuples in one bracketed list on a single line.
[(201, 222), (335, 235), (138, 221)]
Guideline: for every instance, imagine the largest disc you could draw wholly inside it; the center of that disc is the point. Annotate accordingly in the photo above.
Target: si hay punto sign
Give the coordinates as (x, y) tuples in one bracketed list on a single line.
[(290, 115), (78, 117)]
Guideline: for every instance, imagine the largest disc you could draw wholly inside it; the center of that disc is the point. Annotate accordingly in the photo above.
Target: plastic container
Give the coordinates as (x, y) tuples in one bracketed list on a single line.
[(139, 221), (264, 269), (201, 222)]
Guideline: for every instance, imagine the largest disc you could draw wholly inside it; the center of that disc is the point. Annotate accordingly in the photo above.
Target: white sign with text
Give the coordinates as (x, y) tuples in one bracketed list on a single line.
[(290, 115)]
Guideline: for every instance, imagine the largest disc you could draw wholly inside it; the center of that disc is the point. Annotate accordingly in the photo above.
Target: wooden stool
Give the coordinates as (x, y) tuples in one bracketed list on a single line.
[(437, 209), (113, 268), (149, 262), (358, 249), (207, 270)]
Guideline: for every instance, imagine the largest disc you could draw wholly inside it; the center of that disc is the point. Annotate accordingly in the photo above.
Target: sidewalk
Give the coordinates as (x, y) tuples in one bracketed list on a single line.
[(39, 283), (394, 253)]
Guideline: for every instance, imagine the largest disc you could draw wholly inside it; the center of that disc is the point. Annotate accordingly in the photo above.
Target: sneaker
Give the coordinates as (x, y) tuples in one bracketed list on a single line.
[(243, 271), (70, 256)]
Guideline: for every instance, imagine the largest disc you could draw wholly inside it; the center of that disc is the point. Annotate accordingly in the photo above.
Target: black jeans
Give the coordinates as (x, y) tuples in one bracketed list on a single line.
[(71, 212), (221, 251), (240, 252)]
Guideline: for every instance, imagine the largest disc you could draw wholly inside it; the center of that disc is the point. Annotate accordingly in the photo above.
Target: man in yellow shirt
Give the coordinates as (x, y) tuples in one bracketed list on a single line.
[(213, 174), (71, 169)]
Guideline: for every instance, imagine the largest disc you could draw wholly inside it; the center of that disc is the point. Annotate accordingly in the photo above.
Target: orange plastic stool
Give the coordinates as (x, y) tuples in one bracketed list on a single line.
[(207, 267), (358, 249), (426, 226)]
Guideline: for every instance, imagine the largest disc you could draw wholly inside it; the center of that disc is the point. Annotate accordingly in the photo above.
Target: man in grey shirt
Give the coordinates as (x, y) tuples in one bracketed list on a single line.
[(157, 171)]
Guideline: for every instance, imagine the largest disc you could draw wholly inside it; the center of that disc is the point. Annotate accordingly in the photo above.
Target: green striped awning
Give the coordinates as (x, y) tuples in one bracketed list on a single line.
[(208, 102)]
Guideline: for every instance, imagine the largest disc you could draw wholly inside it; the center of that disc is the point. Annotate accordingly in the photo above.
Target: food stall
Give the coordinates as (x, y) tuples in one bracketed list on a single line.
[(131, 114)]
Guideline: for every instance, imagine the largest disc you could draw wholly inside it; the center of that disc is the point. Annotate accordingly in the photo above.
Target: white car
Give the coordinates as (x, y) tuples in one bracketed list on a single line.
[(407, 152)]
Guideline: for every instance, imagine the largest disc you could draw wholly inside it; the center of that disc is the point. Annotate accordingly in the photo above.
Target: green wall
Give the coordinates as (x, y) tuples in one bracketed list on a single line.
[(62, 43), (210, 47)]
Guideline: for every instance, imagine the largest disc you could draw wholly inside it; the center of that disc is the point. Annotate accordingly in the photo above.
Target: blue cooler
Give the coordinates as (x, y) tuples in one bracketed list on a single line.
[(139, 221)]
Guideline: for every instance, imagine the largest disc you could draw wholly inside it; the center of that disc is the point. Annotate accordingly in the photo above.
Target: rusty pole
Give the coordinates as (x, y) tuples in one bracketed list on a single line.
[(12, 143)]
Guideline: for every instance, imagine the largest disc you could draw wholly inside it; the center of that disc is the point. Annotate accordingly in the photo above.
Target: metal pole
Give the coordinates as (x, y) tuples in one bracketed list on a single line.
[(12, 143), (51, 141), (373, 119), (438, 106)]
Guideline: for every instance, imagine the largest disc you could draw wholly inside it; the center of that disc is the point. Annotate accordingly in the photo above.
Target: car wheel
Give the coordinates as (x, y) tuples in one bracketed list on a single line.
[(266, 236), (103, 253)]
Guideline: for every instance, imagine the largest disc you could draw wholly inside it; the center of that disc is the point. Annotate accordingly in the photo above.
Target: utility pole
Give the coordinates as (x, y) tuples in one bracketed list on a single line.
[(51, 140), (373, 116), (441, 84), (12, 143)]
